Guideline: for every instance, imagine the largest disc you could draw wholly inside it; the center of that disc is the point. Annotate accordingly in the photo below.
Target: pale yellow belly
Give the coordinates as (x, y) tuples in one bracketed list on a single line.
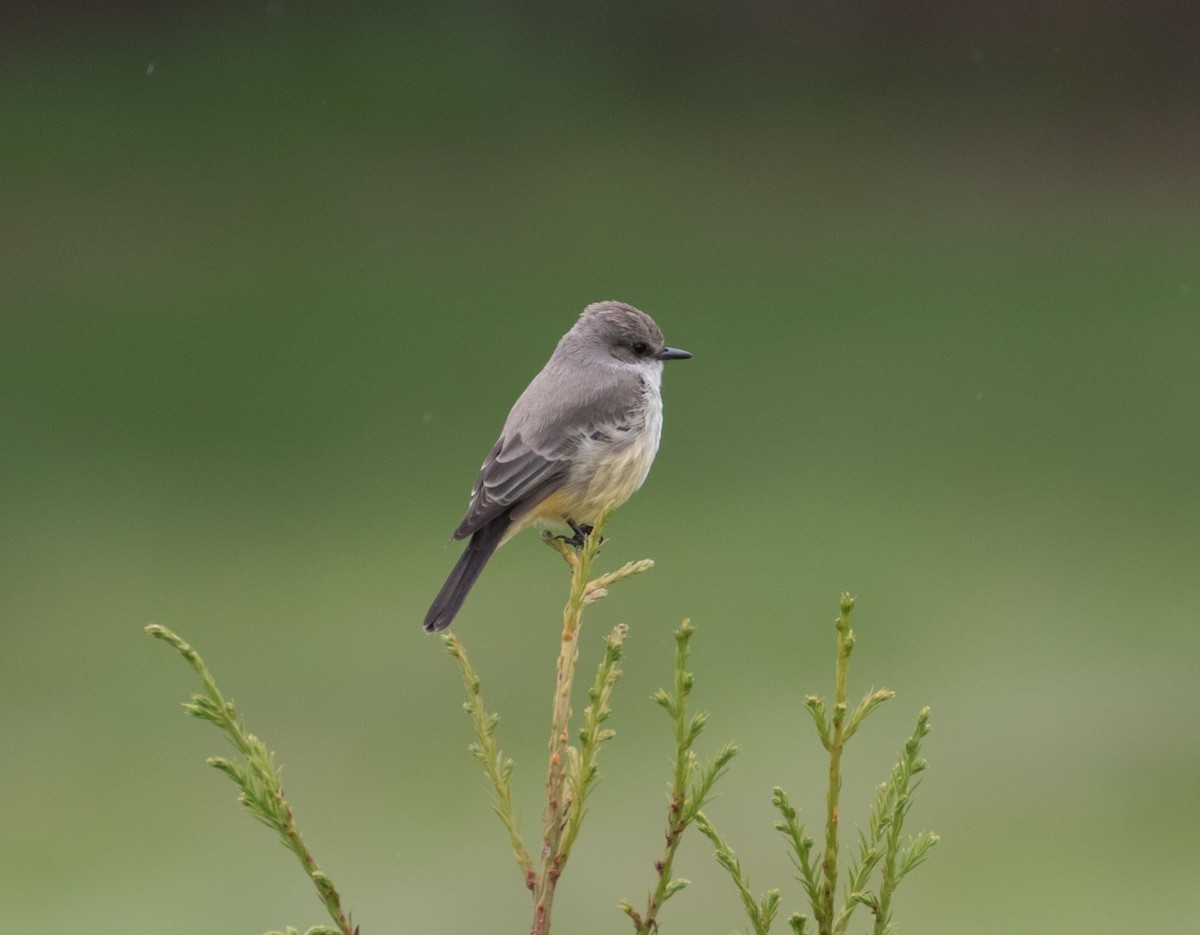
[(599, 476)]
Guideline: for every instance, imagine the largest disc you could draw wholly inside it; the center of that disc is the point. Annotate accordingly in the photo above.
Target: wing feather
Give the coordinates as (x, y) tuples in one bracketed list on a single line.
[(533, 453), (513, 473)]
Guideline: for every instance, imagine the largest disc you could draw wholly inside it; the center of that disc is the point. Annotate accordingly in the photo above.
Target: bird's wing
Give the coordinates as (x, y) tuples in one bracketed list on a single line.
[(532, 456), (513, 472)]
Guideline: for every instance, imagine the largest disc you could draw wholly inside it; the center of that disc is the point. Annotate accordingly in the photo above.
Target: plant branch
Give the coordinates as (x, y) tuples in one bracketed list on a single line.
[(570, 774), (760, 912), (835, 744), (691, 784), (487, 750), (583, 772), (258, 778)]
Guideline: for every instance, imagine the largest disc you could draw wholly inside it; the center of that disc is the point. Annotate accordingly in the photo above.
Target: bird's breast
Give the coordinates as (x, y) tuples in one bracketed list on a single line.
[(610, 467)]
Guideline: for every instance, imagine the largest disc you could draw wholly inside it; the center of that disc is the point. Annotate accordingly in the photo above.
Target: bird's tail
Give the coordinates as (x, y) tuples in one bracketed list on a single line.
[(450, 598)]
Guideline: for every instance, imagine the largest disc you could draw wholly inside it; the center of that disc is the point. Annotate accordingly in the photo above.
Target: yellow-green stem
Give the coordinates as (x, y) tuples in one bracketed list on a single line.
[(558, 804), (259, 761), (829, 861), (487, 750), (676, 820)]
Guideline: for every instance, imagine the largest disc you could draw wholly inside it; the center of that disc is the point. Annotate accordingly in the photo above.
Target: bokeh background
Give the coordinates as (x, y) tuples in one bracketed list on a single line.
[(271, 275)]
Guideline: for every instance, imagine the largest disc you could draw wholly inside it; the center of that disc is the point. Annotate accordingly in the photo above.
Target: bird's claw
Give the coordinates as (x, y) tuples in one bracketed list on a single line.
[(581, 532)]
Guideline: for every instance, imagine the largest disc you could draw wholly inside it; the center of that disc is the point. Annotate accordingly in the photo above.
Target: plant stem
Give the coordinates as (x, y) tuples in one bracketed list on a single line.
[(558, 800), (570, 773), (583, 771), (901, 790), (691, 785), (677, 817), (487, 751), (829, 861), (259, 780)]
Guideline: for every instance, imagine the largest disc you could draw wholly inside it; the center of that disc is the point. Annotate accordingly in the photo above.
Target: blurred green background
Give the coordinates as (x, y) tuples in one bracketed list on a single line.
[(271, 275)]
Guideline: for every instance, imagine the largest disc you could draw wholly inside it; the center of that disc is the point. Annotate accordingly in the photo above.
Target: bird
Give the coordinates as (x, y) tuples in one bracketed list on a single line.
[(582, 436)]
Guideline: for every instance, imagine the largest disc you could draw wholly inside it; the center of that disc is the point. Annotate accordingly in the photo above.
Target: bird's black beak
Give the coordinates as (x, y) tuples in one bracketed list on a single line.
[(672, 353)]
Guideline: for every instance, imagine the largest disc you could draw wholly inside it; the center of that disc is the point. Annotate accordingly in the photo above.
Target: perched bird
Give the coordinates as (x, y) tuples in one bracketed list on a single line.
[(582, 435)]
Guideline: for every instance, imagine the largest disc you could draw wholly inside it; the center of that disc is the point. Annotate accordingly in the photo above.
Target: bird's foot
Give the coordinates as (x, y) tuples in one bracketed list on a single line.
[(581, 531)]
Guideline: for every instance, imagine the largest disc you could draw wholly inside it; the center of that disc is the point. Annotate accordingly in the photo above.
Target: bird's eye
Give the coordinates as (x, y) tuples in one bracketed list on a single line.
[(640, 348)]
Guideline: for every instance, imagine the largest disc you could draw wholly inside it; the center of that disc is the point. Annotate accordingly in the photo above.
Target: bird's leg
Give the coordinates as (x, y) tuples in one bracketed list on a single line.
[(581, 532), (576, 541)]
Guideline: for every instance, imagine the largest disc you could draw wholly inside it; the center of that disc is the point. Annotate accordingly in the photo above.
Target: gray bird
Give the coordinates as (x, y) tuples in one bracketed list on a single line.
[(582, 435)]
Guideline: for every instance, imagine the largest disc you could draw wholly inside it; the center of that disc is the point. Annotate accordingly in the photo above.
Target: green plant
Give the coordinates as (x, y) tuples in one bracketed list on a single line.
[(571, 772), (883, 854), (259, 779), (691, 784), (880, 846)]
